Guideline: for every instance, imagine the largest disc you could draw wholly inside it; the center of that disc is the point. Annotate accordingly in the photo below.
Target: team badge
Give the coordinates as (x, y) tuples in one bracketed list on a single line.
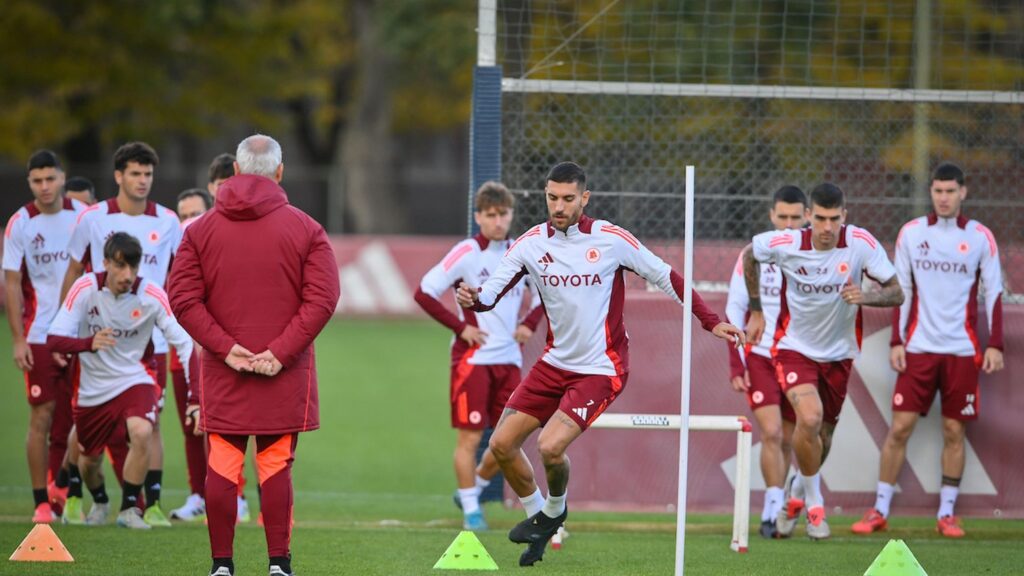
[(35, 391), (136, 314), (154, 237), (897, 399), (474, 417), (964, 247), (791, 378), (758, 397), (843, 268), (593, 255)]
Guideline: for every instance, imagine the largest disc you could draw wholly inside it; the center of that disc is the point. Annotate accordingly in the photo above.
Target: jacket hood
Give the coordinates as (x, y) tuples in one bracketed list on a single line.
[(248, 197)]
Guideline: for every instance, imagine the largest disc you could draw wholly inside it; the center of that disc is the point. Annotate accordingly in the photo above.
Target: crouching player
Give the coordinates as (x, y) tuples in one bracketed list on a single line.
[(107, 319)]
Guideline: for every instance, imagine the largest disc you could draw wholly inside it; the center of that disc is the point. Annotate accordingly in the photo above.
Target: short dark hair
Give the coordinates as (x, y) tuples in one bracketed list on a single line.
[(568, 172), (123, 247), (827, 195), (493, 195), (138, 152), (789, 194), (207, 199), (948, 171), (222, 167), (43, 159), (80, 184)]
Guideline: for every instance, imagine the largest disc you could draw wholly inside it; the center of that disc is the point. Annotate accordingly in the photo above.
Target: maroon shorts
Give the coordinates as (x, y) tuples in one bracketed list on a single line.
[(956, 377), (103, 425), (764, 387), (42, 382), (583, 397), (156, 366), (479, 392), (793, 368)]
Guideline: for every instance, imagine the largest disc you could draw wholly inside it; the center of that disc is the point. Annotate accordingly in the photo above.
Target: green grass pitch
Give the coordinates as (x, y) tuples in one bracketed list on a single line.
[(373, 494)]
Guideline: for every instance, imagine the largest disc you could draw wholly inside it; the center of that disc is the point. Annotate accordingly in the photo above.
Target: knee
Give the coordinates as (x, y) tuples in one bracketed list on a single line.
[(953, 432), (772, 436), (41, 418), (899, 435), (139, 433), (810, 422), (501, 448), (551, 453)]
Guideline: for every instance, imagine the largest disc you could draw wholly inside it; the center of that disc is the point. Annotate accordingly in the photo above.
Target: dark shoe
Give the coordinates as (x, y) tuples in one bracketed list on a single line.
[(768, 530), (537, 528), (534, 553)]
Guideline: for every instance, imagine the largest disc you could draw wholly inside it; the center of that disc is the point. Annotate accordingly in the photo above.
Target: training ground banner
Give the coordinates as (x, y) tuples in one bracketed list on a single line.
[(636, 470)]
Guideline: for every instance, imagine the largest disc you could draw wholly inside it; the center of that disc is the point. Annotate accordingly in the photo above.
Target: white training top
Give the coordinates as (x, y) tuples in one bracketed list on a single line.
[(579, 274), (157, 229), (738, 304), (813, 318), (90, 307), (36, 245), (472, 261), (939, 262)]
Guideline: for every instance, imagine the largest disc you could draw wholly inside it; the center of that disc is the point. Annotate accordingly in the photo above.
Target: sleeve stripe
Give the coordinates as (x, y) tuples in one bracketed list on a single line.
[(532, 232), (86, 211), (160, 296), (624, 235), (613, 227), (991, 239), (865, 237), (899, 237), (452, 259), (780, 241), (76, 289), (10, 224)]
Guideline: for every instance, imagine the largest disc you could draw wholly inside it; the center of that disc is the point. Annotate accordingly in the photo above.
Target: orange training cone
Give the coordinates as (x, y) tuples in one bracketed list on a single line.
[(42, 545)]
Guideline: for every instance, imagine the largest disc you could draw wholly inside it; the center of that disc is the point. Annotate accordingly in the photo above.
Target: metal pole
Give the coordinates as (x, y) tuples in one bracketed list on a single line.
[(922, 74), (684, 396)]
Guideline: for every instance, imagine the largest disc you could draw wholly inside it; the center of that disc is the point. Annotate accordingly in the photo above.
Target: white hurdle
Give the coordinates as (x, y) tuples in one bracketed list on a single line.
[(738, 424)]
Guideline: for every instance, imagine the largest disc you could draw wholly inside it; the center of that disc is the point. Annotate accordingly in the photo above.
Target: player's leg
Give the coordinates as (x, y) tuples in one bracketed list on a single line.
[(153, 483), (60, 429), (195, 453), (73, 508), (506, 446), (765, 399), (225, 460), (274, 458), (560, 431), (469, 396), (40, 419), (958, 381), (140, 432)]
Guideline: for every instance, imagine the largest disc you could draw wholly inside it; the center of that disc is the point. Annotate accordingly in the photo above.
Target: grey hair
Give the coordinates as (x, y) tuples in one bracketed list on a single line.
[(258, 154)]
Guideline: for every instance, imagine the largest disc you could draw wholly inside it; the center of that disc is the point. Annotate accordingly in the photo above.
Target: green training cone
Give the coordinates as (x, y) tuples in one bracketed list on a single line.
[(895, 560), (466, 553)]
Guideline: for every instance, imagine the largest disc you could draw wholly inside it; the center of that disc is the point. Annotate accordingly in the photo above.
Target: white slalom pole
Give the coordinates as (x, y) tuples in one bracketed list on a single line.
[(684, 396)]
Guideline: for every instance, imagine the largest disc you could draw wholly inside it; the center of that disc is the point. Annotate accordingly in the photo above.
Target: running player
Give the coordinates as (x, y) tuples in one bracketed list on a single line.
[(935, 348), (158, 231), (108, 319), (817, 333), (751, 369), (35, 259), (485, 352), (577, 264)]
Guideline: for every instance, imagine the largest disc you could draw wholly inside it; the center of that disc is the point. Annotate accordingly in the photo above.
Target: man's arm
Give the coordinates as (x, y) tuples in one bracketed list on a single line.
[(320, 293), (440, 278), (15, 301), (63, 333), (74, 272), (890, 294), (752, 280), (992, 278), (876, 266), (168, 324), (511, 269), (187, 297), (736, 307)]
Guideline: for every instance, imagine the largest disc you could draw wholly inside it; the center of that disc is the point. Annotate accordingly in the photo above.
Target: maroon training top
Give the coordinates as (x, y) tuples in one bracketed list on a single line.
[(261, 273)]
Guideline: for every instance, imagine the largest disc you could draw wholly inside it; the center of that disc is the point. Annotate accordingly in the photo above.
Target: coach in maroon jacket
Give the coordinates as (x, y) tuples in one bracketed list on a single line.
[(254, 282)]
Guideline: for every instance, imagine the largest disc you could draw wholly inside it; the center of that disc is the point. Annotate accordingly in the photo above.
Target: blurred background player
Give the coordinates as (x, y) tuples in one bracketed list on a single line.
[(221, 168), (81, 189), (940, 259), (271, 394), (108, 319), (751, 368), (158, 231), (816, 336), (485, 352), (35, 260), (586, 363), (192, 203)]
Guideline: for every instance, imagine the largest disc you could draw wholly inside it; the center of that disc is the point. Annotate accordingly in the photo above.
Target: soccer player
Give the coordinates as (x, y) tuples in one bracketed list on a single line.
[(935, 347), (817, 333), (255, 274), (577, 264), (81, 189), (192, 204), (221, 168), (485, 352), (35, 259), (158, 231), (108, 319), (752, 371)]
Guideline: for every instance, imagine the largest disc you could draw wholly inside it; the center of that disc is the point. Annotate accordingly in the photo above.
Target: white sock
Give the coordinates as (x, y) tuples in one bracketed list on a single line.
[(481, 483), (470, 498), (884, 498), (532, 503), (812, 495), (773, 502), (947, 499), (555, 505), (798, 488)]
